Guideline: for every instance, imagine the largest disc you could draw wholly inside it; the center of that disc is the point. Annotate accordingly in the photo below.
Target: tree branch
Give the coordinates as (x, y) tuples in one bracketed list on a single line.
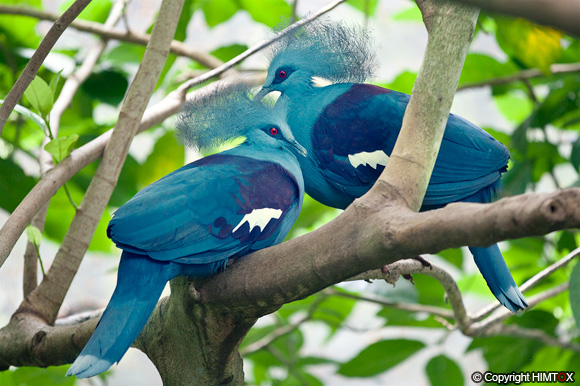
[(411, 307), (562, 14), (523, 75), (46, 300), (38, 58), (45, 161), (450, 28), (107, 32), (493, 321), (385, 232)]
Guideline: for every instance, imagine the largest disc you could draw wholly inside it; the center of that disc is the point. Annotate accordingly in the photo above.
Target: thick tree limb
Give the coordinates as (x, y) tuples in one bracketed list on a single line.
[(562, 14), (384, 233), (46, 300), (450, 28), (107, 32), (38, 58), (331, 254)]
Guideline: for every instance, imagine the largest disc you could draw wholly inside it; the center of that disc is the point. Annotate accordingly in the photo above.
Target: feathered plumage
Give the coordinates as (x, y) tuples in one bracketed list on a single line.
[(192, 221), (327, 50), (225, 113), (350, 129)]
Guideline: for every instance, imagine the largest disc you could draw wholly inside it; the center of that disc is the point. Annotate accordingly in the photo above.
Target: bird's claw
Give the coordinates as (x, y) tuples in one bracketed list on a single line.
[(423, 261)]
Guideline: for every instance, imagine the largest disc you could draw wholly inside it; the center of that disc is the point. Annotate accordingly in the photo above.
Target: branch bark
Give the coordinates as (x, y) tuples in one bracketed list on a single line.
[(45, 161), (38, 58), (562, 14), (450, 28)]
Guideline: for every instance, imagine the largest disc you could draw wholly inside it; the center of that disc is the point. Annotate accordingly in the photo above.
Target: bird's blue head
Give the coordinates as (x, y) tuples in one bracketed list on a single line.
[(326, 49), (227, 113)]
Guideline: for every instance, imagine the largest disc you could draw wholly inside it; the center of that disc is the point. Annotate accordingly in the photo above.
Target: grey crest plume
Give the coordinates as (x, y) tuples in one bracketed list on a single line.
[(225, 113), (329, 49)]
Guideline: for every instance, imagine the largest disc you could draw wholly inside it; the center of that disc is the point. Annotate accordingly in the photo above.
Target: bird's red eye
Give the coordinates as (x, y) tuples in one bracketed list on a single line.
[(282, 74), (273, 131)]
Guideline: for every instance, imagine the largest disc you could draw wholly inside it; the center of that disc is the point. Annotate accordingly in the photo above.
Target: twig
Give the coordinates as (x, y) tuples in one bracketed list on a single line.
[(478, 328), (532, 281), (270, 338), (281, 331), (438, 311), (38, 58), (409, 266), (523, 75), (537, 334), (294, 6)]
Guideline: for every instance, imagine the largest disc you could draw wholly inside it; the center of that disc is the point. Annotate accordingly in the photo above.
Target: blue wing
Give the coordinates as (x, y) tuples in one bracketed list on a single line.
[(195, 214), (367, 119)]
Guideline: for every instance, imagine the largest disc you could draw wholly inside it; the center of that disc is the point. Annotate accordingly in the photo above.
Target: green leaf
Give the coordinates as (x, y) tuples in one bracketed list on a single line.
[(410, 14), (61, 147), (515, 106), (454, 256), (533, 45), (574, 292), (380, 357), (125, 53), (269, 12), (33, 234), (403, 82), (166, 157), (60, 214), (506, 354), (479, 68), (30, 115), (97, 11), (54, 83), (14, 185), (368, 7), (218, 11), (40, 96), (563, 99), (229, 52), (395, 317), (35, 376), (108, 86), (443, 371), (19, 31)]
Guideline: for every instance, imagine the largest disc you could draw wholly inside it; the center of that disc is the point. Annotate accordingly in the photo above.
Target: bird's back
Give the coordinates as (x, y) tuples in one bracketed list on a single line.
[(351, 130)]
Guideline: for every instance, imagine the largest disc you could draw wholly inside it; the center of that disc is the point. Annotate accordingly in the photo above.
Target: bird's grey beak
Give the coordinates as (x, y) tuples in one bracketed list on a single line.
[(262, 93), (299, 147)]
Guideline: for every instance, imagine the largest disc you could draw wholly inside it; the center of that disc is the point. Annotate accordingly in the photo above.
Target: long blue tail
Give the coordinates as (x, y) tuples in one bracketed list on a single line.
[(139, 285), (498, 277)]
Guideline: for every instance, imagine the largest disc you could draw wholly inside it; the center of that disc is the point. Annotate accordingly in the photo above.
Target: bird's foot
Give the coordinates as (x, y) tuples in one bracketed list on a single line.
[(423, 261)]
